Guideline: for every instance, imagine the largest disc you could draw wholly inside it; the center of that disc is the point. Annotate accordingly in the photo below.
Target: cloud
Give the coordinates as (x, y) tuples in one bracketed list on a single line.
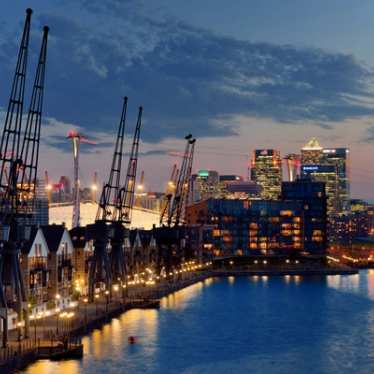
[(188, 79)]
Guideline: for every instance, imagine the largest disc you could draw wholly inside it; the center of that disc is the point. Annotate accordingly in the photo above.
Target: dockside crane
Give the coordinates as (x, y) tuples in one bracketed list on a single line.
[(170, 236), (124, 207), (182, 188), (77, 139), (100, 269), (125, 201), (17, 189), (169, 192)]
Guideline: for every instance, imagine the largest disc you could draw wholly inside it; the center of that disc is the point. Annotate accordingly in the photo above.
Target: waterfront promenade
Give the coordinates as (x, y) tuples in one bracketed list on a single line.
[(64, 330), (52, 333)]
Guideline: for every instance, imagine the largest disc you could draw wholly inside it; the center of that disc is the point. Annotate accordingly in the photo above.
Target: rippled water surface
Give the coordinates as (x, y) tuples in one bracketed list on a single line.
[(241, 325)]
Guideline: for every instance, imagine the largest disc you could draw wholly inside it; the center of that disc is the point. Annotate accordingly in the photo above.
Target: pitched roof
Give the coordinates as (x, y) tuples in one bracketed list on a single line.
[(312, 145), (26, 245), (53, 235)]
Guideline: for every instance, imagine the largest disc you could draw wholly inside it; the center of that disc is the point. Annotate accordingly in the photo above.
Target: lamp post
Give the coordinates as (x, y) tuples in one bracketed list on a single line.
[(85, 300), (115, 289), (37, 318), (123, 293), (62, 316), (96, 302), (57, 317), (107, 300), (32, 318), (57, 298), (19, 325), (69, 317)]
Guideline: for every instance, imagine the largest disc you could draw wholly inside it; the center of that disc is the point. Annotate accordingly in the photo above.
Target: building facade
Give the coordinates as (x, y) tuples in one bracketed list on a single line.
[(266, 170), (339, 158), (331, 166), (204, 185), (293, 224)]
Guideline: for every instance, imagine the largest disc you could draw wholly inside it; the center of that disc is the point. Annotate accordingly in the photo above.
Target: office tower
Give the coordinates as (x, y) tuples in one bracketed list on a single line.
[(326, 174), (311, 153), (339, 158), (204, 185), (330, 166), (266, 170)]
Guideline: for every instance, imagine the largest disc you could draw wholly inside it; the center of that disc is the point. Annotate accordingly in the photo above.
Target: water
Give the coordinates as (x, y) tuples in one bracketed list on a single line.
[(241, 325)]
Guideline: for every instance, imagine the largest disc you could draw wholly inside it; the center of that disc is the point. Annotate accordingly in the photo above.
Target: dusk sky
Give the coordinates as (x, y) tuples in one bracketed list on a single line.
[(238, 75)]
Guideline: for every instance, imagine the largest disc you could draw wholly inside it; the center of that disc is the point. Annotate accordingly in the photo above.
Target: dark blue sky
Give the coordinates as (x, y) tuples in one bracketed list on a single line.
[(238, 75)]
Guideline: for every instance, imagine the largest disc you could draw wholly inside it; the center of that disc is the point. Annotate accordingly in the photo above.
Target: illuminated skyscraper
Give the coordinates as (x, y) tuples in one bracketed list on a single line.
[(204, 185), (331, 167), (339, 157), (266, 170), (311, 153), (327, 174)]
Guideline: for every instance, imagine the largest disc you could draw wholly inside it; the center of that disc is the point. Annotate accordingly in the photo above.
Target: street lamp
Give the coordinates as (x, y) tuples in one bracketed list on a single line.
[(124, 292), (19, 325), (97, 299), (33, 318), (58, 297), (107, 300), (85, 300), (57, 310), (62, 316)]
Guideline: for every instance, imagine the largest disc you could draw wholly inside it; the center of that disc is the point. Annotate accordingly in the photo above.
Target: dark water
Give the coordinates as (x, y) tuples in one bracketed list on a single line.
[(241, 325)]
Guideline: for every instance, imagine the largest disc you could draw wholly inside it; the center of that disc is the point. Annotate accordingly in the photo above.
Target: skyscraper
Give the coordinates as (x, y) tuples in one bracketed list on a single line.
[(331, 167), (204, 185), (266, 170), (311, 153), (327, 174), (339, 157)]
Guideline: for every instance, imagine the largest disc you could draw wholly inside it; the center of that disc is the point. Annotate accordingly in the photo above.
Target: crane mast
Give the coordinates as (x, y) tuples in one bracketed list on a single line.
[(170, 188), (108, 199), (18, 192), (185, 189), (10, 140), (31, 140), (125, 200), (101, 268), (176, 209), (172, 236)]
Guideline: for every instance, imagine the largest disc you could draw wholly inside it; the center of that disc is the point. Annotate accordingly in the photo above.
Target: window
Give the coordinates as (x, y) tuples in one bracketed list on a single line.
[(287, 213), (38, 250)]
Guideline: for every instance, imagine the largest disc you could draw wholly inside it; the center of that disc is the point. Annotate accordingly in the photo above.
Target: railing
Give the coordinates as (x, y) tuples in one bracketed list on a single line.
[(14, 351)]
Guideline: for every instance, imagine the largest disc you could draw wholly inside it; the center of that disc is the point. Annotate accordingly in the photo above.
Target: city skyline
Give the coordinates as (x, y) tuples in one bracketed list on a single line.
[(235, 88), (247, 179)]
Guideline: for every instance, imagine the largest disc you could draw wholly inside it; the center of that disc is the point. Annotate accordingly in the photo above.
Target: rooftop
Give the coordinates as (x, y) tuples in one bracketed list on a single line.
[(312, 145)]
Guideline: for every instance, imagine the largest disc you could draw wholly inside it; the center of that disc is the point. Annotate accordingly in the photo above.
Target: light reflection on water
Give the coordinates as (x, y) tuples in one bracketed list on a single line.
[(285, 324)]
